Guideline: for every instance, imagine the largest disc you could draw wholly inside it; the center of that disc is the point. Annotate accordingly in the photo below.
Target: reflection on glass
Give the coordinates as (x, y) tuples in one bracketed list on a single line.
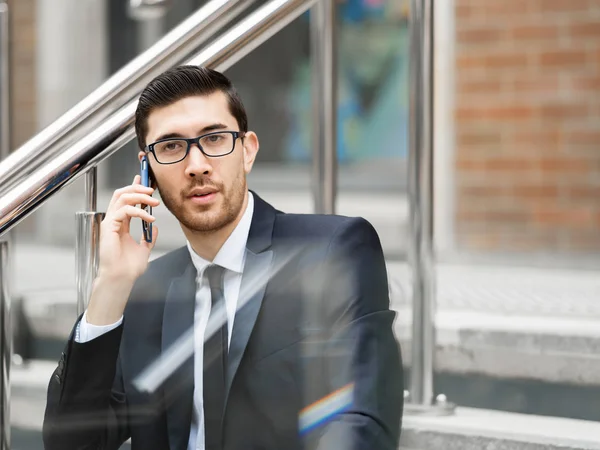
[(372, 97)]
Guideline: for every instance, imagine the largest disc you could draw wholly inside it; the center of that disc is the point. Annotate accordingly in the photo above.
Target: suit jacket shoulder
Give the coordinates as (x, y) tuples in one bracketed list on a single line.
[(321, 228)]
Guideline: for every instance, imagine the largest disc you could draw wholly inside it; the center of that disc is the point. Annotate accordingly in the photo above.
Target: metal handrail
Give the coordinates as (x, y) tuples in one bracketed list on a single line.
[(5, 346), (110, 134), (171, 50), (103, 122)]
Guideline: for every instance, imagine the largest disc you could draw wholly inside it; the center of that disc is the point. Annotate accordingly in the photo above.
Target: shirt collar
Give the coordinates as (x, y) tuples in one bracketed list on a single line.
[(232, 253)]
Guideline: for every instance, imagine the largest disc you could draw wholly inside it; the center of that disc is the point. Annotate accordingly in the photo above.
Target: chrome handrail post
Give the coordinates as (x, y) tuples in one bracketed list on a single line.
[(420, 193), (5, 345), (323, 33), (87, 242), (116, 130)]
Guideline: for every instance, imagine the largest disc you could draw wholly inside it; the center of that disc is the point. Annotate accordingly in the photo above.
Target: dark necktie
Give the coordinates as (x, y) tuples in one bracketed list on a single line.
[(215, 364)]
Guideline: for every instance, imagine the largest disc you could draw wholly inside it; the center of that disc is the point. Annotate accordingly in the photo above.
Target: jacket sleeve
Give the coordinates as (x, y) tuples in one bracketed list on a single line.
[(362, 359), (86, 407)]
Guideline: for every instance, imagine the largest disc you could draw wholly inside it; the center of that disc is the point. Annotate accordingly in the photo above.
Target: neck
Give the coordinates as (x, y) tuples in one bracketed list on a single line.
[(208, 243)]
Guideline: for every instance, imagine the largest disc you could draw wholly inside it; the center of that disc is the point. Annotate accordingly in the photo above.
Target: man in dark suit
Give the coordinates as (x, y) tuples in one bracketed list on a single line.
[(266, 331)]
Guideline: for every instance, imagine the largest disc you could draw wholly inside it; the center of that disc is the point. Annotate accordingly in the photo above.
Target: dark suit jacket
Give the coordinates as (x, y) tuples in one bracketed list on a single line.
[(317, 321)]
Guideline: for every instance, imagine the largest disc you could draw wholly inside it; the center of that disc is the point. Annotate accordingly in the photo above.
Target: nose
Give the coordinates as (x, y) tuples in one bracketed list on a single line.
[(197, 163)]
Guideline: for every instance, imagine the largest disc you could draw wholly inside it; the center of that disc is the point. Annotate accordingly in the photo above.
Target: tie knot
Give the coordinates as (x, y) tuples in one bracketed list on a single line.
[(214, 275)]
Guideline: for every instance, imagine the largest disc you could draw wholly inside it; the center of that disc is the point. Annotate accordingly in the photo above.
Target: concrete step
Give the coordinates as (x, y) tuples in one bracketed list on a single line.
[(476, 429), (467, 428), (518, 339)]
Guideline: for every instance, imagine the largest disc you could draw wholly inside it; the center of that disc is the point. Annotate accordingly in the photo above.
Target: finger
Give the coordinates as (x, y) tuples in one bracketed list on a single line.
[(136, 199), (123, 214), (150, 245), (132, 188)]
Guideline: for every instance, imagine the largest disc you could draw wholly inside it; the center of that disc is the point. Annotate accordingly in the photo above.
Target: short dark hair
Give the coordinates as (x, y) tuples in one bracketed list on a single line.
[(181, 82)]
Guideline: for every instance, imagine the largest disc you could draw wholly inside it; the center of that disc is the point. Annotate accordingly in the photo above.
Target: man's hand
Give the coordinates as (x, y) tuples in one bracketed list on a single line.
[(121, 259)]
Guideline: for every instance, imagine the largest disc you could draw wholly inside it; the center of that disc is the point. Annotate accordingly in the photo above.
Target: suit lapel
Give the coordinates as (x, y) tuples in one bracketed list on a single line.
[(257, 267), (179, 388), (252, 291)]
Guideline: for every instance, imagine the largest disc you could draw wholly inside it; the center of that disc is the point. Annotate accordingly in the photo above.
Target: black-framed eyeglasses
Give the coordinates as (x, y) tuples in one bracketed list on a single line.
[(213, 145)]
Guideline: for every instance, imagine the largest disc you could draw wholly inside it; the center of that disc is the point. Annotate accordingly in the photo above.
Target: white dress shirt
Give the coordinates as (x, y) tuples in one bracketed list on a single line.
[(231, 257)]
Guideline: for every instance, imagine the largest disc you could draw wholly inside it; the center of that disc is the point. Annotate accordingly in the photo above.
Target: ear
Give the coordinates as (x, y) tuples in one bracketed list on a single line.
[(250, 149)]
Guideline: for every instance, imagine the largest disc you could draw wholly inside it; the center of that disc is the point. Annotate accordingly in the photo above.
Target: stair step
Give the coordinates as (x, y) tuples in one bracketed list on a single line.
[(475, 429), (466, 429)]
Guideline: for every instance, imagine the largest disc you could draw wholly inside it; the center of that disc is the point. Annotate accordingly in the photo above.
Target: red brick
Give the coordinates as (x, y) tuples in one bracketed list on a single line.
[(480, 36), (497, 61), (507, 7), (485, 191), (23, 92), (500, 113), (589, 83), (528, 241), (563, 58), (470, 164), (479, 137), (535, 32), (563, 111), (583, 137), (527, 134), (507, 61), (579, 217), (533, 87), (469, 61), (594, 57), (510, 164), (565, 165), (462, 8), (539, 192), (494, 214), (584, 192), (586, 29), (542, 137), (587, 241), (563, 5), (484, 86)]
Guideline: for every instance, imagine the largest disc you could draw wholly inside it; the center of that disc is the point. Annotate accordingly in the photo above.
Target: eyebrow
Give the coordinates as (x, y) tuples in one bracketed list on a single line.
[(206, 129)]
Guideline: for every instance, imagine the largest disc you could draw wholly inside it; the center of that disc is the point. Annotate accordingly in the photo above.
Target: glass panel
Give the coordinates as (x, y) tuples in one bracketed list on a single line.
[(525, 181), (267, 80), (373, 116)]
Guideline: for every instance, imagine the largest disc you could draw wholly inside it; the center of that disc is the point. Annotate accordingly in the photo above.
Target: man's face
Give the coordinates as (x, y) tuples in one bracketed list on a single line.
[(224, 177)]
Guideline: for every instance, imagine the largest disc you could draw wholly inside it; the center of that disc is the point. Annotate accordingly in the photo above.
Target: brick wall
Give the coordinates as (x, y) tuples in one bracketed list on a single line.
[(528, 125), (23, 85)]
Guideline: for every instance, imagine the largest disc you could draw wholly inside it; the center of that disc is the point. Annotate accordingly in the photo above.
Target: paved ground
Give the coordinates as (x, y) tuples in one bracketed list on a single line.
[(519, 322), (503, 290), (510, 291)]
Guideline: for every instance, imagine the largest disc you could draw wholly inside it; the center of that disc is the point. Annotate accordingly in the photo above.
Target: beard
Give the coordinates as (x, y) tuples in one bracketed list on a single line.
[(210, 218)]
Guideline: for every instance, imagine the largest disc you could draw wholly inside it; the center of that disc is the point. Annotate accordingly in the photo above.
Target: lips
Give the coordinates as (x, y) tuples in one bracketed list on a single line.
[(202, 192), (203, 196)]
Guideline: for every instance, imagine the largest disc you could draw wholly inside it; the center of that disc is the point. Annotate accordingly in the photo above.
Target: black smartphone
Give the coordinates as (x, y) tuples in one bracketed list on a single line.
[(146, 181)]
